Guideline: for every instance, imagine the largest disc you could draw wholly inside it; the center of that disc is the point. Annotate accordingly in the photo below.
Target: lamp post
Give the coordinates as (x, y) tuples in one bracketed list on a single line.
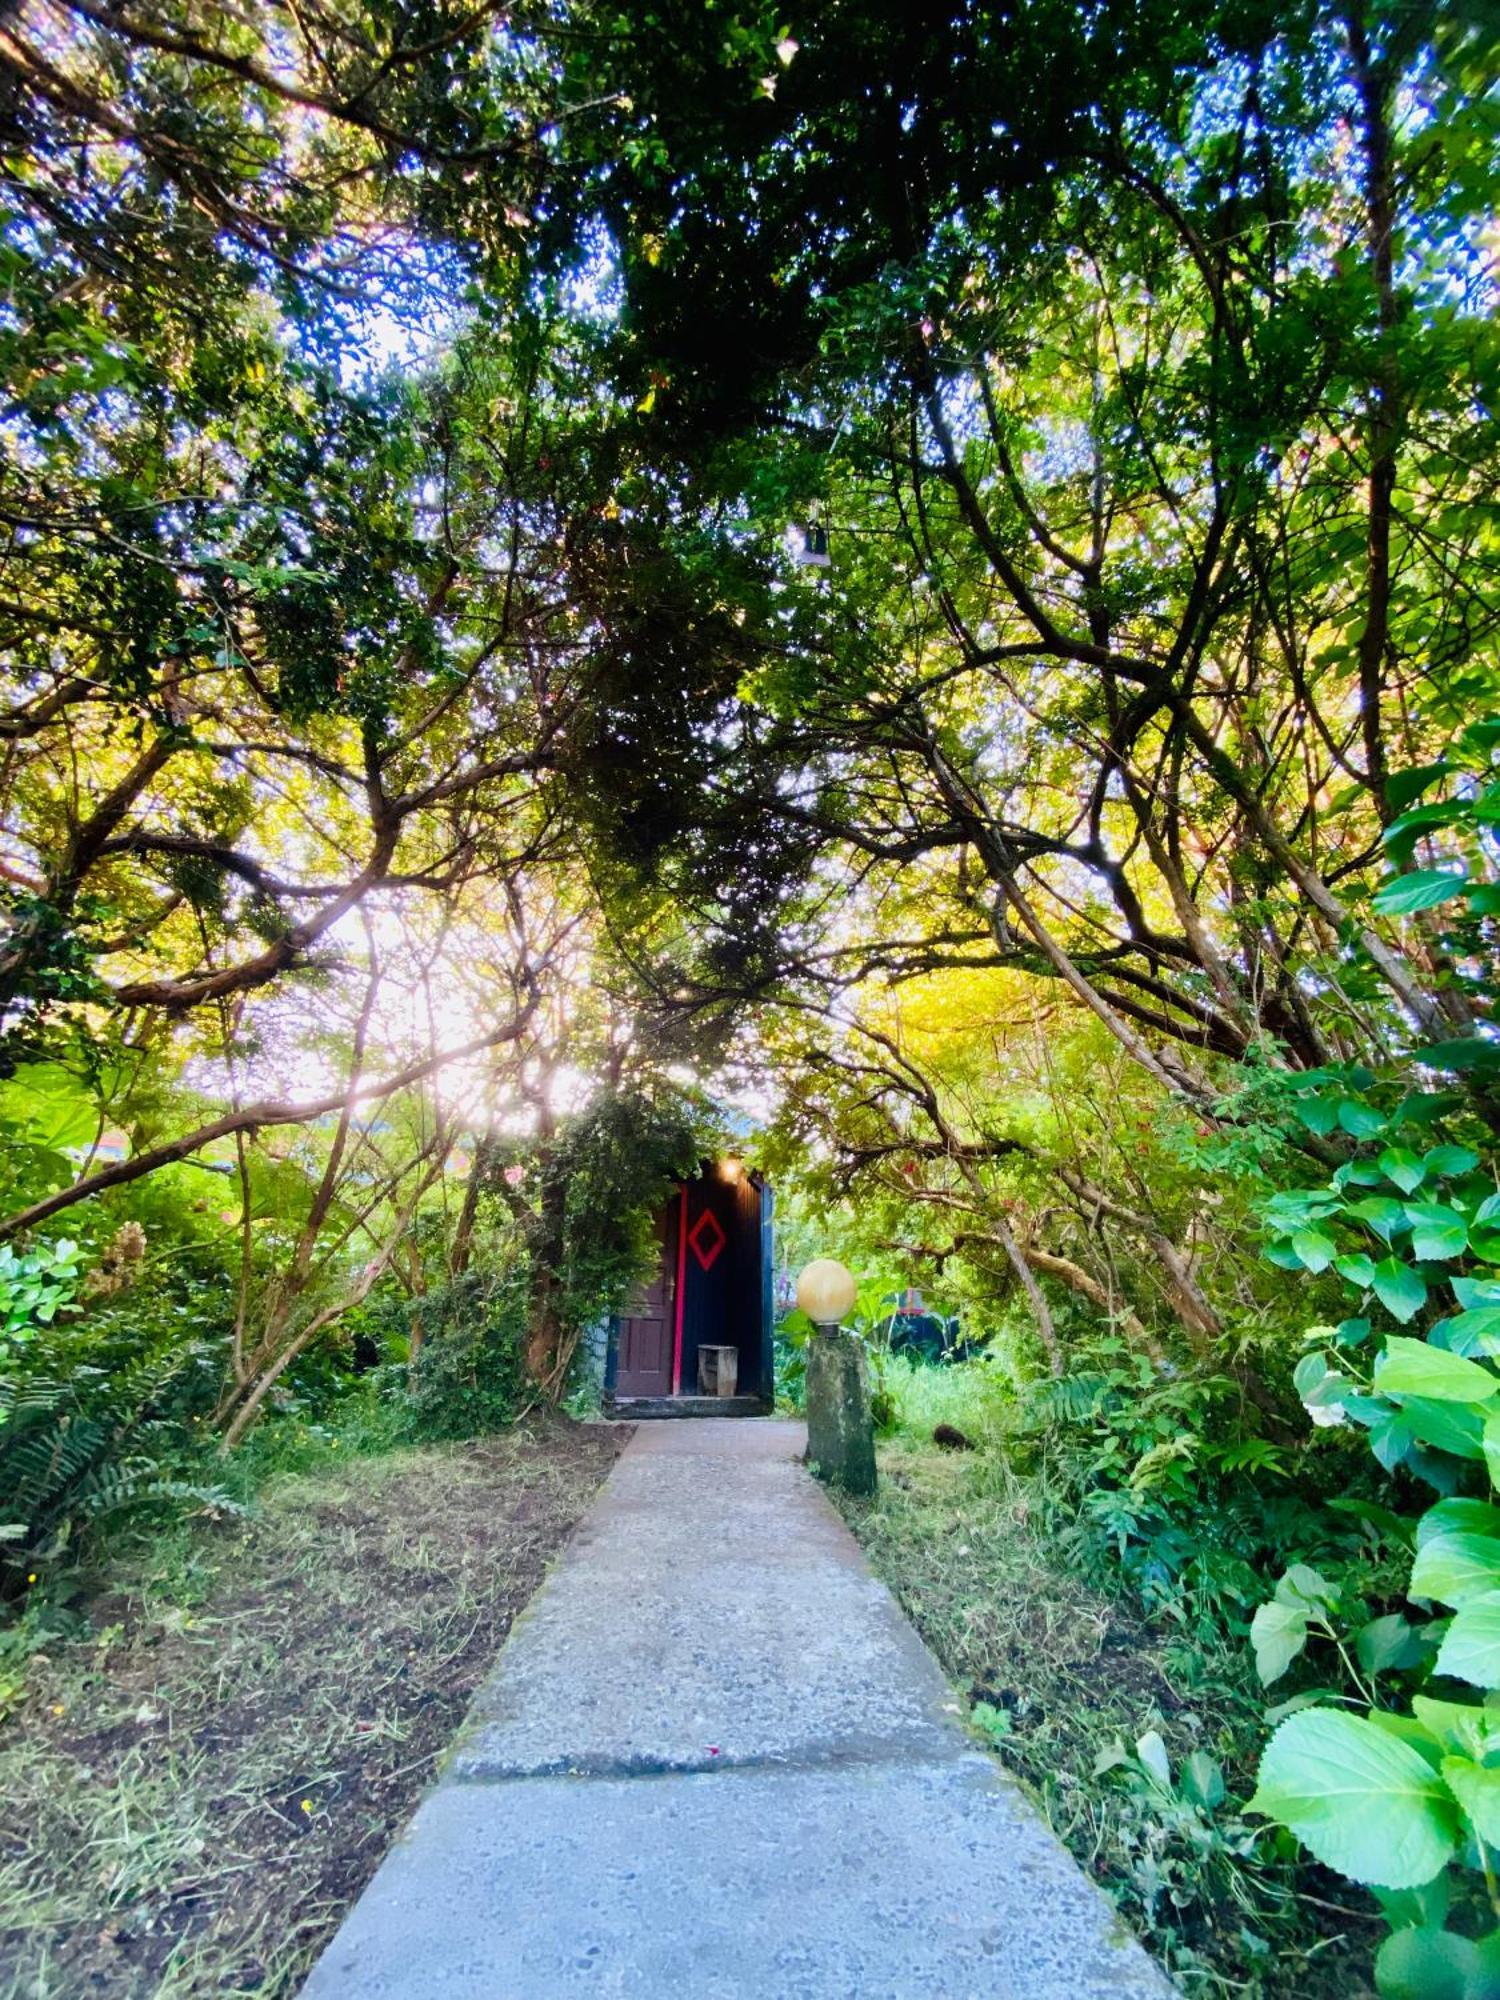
[(840, 1429)]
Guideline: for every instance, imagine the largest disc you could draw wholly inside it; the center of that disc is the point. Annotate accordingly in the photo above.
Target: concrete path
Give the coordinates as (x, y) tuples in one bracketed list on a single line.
[(715, 1761)]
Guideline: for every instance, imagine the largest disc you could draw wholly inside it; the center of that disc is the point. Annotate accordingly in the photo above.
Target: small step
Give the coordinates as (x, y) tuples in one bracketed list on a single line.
[(636, 1409)]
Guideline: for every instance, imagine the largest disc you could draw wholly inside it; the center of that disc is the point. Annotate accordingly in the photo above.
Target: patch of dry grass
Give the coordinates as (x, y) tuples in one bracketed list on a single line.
[(200, 1783)]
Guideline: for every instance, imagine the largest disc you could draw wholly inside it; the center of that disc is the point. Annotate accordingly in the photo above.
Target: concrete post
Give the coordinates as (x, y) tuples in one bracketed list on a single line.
[(840, 1428)]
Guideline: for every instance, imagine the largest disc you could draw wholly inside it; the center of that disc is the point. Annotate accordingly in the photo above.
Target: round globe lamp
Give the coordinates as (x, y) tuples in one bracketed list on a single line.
[(826, 1291), (840, 1428)]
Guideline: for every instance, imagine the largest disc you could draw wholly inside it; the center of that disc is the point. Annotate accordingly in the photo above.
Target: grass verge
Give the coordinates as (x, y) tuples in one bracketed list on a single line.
[(234, 1718), (1064, 1682)]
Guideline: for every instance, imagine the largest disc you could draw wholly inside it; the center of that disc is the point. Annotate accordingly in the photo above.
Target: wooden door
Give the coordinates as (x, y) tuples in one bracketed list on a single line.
[(643, 1364)]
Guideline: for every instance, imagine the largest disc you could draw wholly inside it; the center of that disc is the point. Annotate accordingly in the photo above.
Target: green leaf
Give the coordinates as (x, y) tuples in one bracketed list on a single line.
[(1406, 1908), (1278, 1633), (1458, 1517), (1316, 1383), (1476, 1332), (1471, 1646), (1416, 1368), (1360, 1800), (1400, 1289), (1152, 1752), (1390, 1641), (1402, 787), (1484, 899), (1391, 1436), (1357, 1269), (1386, 1217), (1465, 1053), (1447, 1162), (1484, 1230), (1456, 1568), (1315, 1251), (1458, 1726), (1302, 1584), (1318, 1114), (1457, 1428), (1492, 1449), (1424, 1964), (1360, 1121), (1478, 1792), (1203, 1781), (1401, 1165), (1422, 890), (1437, 1231)]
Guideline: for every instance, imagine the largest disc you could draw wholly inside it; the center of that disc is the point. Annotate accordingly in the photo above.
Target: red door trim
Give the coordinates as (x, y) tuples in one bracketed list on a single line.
[(681, 1289)]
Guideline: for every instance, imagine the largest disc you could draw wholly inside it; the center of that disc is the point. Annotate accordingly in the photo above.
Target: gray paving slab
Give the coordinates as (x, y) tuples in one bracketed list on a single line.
[(714, 1759)]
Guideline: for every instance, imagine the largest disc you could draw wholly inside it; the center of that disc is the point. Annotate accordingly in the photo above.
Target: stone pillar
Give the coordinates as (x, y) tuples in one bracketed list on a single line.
[(840, 1428)]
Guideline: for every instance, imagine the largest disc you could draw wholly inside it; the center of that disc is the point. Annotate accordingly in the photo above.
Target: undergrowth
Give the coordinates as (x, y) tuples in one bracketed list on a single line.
[(1136, 1733), (228, 1719)]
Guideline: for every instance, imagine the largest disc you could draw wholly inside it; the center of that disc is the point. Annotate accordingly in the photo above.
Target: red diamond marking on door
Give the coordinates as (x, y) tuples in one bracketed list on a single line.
[(705, 1228)]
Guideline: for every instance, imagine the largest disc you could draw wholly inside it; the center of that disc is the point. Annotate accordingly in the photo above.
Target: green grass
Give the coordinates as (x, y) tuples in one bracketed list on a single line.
[(225, 1725), (1063, 1677)]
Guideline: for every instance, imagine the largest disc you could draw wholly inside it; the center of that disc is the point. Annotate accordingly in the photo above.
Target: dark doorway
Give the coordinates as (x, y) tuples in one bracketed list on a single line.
[(711, 1286)]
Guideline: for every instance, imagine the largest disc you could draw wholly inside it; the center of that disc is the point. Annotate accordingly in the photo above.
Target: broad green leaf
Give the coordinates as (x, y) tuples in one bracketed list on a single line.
[(1278, 1633), (1449, 1426), (1448, 1162), (1471, 1646), (1363, 1802), (1417, 1368), (1402, 787), (1391, 1435), (1152, 1752), (1386, 1217), (1314, 1250), (1458, 1517), (1318, 1114), (1484, 1231), (1360, 1121), (1405, 1908), (1387, 1642), (1203, 1781), (1424, 1964), (1422, 890), (1400, 1289), (1436, 1231), (1476, 1332), (1302, 1584), (1358, 1270), (1458, 1726), (1317, 1384), (1402, 1166), (1466, 1052), (1456, 1568), (1472, 1293), (1492, 1449), (1478, 1792)]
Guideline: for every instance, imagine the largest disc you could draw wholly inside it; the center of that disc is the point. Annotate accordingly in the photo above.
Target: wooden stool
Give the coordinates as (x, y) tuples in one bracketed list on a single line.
[(718, 1370)]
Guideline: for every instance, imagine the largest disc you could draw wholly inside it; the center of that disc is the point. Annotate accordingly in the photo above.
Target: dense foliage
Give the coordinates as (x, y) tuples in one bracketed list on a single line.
[(928, 574)]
